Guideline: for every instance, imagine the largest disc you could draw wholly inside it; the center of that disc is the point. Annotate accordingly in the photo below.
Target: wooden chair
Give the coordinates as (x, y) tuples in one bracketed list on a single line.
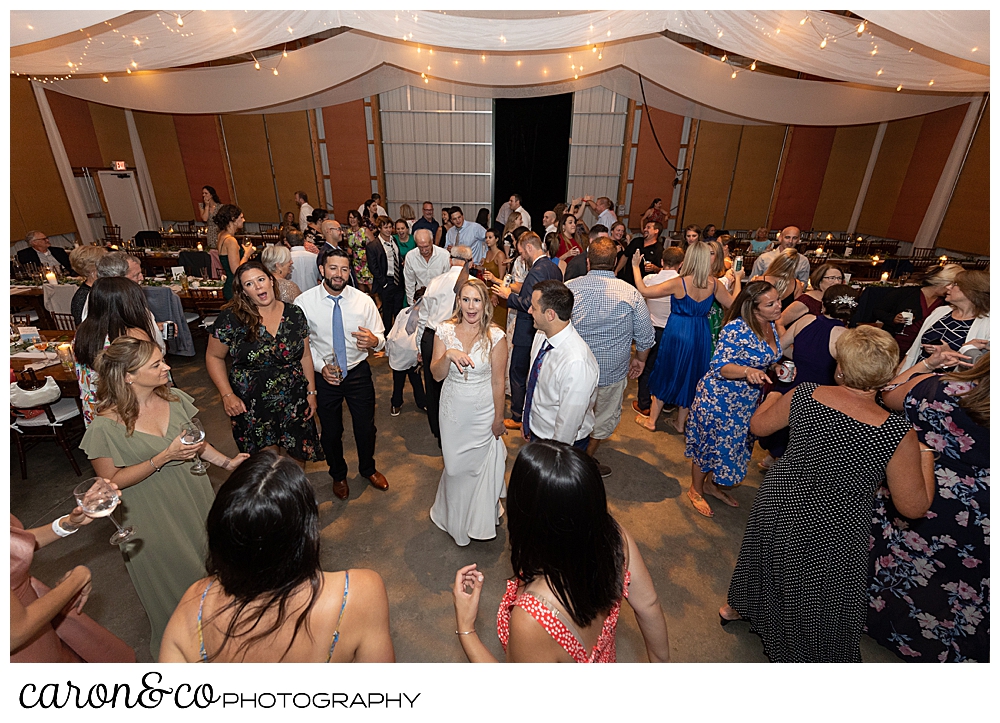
[(266, 227), (63, 322), (207, 305), (113, 233), (20, 318), (28, 430), (183, 226)]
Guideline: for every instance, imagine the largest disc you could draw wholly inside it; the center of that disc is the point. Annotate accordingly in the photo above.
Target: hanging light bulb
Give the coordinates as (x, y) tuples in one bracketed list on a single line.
[(256, 65), (879, 72), (180, 21), (802, 21), (823, 44), (600, 55), (931, 83), (284, 53), (753, 65), (861, 28), (899, 87), (275, 71), (724, 57), (733, 75), (104, 78), (128, 70)]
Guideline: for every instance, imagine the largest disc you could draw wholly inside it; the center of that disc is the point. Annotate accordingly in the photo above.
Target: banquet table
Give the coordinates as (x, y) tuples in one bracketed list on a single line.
[(31, 297), (65, 378)]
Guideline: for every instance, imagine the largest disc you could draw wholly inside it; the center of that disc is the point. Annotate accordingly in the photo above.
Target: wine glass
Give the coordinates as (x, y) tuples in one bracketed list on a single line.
[(192, 432), (97, 498), (331, 361)]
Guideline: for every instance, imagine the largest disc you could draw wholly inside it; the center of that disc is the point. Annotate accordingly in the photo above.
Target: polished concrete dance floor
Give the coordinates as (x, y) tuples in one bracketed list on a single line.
[(689, 557)]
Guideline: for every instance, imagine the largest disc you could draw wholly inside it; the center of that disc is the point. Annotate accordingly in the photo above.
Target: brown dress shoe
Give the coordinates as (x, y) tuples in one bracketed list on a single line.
[(379, 481), (511, 424), (340, 489), (638, 409)]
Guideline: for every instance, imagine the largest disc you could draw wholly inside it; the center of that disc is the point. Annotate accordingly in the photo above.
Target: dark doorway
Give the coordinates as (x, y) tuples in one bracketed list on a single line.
[(531, 146)]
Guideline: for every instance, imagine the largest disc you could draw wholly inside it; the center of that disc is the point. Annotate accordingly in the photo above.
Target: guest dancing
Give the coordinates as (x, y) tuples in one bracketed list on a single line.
[(278, 260), (269, 392), (929, 586), (135, 442), (470, 354), (781, 274), (48, 625), (229, 220), (358, 238), (801, 578), (964, 316), (686, 344), (573, 565), (266, 599), (726, 397)]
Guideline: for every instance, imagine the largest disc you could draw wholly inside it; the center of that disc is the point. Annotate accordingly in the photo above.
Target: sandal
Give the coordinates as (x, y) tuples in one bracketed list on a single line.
[(642, 422), (700, 504), (721, 494)]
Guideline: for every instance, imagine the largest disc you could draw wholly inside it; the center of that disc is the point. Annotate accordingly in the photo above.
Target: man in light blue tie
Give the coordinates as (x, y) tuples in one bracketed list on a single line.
[(344, 325)]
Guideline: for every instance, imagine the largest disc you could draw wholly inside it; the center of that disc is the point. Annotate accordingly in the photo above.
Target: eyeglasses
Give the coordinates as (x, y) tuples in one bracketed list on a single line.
[(836, 276)]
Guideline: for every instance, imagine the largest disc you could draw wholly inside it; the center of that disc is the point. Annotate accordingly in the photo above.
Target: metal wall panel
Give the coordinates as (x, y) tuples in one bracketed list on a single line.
[(596, 141), (436, 147)]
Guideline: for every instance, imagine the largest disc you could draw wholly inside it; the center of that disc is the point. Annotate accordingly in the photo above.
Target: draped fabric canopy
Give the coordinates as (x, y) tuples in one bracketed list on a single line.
[(890, 68)]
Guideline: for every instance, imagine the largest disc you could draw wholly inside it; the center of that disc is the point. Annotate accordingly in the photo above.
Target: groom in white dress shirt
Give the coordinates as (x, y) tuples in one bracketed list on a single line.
[(360, 330), (562, 388)]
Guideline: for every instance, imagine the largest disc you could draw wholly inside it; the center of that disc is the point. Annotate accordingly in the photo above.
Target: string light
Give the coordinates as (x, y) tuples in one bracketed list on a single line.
[(275, 71), (823, 44), (931, 83), (180, 21), (899, 87), (802, 21), (861, 28), (733, 75), (879, 72), (128, 70), (256, 64), (104, 78), (753, 65), (725, 58)]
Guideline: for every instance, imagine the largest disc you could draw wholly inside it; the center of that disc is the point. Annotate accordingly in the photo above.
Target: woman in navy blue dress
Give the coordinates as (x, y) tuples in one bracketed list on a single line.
[(686, 344), (717, 439)]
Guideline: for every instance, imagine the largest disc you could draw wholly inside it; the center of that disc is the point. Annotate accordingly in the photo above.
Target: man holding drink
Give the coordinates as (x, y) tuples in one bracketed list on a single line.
[(344, 325)]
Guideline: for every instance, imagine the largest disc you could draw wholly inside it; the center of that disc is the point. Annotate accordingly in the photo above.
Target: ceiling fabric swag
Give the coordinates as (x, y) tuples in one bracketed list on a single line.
[(964, 34), (327, 65)]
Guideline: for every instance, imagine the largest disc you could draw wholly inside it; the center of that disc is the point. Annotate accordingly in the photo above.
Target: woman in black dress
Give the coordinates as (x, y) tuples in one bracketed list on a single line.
[(269, 391), (801, 580)]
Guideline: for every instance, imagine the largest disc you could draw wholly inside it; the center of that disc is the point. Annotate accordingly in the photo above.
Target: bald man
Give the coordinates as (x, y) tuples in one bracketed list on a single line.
[(788, 239), (420, 268)]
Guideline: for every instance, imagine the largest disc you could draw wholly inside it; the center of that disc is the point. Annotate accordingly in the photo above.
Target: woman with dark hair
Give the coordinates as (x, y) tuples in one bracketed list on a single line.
[(117, 307), (654, 213), (572, 563), (728, 394), (442, 232), (483, 217), (313, 236), (801, 578), (568, 245), (709, 233), (266, 599), (269, 393), (358, 237), (965, 316), (929, 589), (136, 443), (470, 355), (288, 223), (692, 233), (811, 301), (229, 219), (208, 207)]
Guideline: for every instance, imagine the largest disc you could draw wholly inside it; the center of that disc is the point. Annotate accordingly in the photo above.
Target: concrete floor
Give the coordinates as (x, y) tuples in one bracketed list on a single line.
[(689, 557)]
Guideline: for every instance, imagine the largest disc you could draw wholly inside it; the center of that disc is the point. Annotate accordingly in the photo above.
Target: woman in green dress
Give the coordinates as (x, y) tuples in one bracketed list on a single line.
[(229, 219), (135, 442)]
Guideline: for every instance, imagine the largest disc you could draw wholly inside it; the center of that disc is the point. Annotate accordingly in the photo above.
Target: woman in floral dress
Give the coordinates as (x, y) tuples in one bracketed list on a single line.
[(357, 240), (718, 427), (269, 392), (929, 596)]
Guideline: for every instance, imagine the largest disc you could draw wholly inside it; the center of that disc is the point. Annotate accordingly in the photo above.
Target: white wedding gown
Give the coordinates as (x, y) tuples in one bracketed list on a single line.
[(467, 504)]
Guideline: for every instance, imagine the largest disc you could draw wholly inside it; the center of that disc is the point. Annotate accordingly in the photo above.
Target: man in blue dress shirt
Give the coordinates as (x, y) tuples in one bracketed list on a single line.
[(467, 233)]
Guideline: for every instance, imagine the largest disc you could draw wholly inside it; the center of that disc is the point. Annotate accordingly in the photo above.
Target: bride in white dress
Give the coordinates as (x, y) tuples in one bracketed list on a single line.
[(470, 355)]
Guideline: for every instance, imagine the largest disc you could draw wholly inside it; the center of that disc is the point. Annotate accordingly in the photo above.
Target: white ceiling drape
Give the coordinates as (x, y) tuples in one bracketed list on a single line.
[(503, 54), (963, 34)]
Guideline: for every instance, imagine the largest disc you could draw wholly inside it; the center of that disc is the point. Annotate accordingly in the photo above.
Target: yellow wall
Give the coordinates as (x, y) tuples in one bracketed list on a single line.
[(112, 134), (887, 178), (967, 222), (711, 173), (166, 168), (291, 151), (760, 152), (251, 166), (844, 173)]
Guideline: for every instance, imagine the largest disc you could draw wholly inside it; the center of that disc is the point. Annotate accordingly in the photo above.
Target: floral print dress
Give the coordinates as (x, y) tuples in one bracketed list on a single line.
[(718, 428), (357, 241), (267, 375), (929, 593)]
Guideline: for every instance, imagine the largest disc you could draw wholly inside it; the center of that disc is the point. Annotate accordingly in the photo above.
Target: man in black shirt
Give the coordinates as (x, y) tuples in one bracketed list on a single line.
[(652, 251), (427, 220)]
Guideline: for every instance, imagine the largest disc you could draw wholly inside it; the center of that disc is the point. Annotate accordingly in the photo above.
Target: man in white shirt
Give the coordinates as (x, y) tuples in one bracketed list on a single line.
[(437, 306), (377, 209), (562, 383), (386, 266), (659, 312), (421, 267), (302, 199), (305, 264), (515, 205), (549, 221), (787, 239), (466, 233), (604, 208), (344, 326)]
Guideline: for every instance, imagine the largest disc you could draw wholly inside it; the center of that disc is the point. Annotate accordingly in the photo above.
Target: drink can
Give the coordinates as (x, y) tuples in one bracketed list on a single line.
[(738, 263), (507, 280), (785, 371)]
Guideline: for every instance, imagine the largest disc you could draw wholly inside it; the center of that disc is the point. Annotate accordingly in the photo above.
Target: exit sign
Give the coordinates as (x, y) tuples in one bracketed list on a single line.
[(118, 166)]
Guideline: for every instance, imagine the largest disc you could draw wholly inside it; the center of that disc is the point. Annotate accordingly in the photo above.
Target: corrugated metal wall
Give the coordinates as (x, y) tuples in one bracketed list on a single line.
[(449, 138), (596, 140)]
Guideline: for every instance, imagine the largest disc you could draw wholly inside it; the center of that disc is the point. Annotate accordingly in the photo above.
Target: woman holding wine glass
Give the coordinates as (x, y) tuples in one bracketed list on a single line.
[(136, 442)]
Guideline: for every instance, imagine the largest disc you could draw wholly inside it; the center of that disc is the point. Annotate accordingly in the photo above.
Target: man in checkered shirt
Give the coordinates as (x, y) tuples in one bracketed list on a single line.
[(610, 314)]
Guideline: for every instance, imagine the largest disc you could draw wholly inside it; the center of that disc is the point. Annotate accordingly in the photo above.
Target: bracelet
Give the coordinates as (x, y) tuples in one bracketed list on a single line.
[(927, 366), (313, 393), (61, 531), (227, 395), (155, 468), (468, 632)]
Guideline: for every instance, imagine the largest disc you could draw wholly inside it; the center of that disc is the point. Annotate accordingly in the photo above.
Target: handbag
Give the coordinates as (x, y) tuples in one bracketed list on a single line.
[(21, 399)]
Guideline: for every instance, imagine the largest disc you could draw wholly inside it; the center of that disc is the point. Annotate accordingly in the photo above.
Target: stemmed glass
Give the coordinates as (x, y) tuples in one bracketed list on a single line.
[(97, 498), (193, 432)]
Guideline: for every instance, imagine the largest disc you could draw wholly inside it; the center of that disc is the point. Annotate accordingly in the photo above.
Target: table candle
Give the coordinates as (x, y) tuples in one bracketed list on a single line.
[(885, 276), (199, 247), (65, 353), (943, 259), (215, 293), (819, 251), (50, 276)]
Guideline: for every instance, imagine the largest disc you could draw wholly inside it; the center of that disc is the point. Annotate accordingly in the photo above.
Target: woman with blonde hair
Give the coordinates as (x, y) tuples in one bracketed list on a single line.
[(406, 213), (686, 344), (136, 442), (508, 236), (470, 357), (902, 311), (727, 277), (760, 241), (781, 275), (964, 317), (84, 261), (811, 301), (801, 579), (278, 260)]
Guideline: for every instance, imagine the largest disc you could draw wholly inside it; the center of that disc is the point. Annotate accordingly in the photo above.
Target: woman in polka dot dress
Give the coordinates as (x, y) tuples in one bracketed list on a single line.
[(802, 575), (573, 565)]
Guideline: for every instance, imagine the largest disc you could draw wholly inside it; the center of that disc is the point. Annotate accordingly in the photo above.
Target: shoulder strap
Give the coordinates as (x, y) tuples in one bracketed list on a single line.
[(343, 604), (553, 625), (201, 635)]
